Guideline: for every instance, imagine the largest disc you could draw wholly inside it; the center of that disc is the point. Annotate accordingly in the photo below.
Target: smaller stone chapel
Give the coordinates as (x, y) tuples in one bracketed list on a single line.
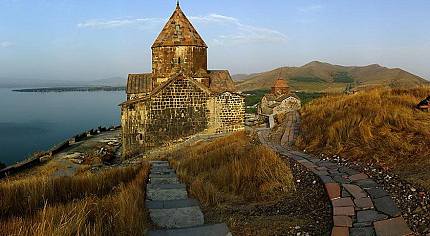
[(181, 97)]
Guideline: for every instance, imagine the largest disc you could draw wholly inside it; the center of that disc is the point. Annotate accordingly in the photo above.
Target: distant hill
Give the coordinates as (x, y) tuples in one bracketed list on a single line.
[(324, 77)]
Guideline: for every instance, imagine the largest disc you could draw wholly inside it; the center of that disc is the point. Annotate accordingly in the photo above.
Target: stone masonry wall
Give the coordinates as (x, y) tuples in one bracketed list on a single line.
[(133, 120), (167, 61), (178, 111), (230, 113)]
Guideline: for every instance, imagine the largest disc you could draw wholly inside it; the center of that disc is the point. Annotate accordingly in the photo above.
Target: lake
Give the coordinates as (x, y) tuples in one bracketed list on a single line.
[(31, 122)]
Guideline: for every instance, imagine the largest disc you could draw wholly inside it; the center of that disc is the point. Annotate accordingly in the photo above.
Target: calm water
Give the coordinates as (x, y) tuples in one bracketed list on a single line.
[(31, 122)]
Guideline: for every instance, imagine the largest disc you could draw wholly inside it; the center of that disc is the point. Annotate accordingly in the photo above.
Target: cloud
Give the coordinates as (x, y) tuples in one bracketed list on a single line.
[(118, 23), (245, 33), (6, 44)]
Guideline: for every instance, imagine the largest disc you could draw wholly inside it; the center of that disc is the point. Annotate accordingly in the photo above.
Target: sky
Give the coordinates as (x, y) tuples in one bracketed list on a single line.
[(97, 39)]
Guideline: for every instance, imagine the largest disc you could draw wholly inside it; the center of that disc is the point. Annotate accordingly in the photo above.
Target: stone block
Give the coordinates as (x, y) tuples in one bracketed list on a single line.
[(364, 203), (365, 231), (377, 192), (342, 221), (172, 204), (166, 194), (387, 206), (366, 183), (342, 202), (333, 190), (357, 177), (206, 230), (369, 216), (177, 217), (344, 211), (173, 180), (355, 190), (392, 227), (165, 186), (340, 231)]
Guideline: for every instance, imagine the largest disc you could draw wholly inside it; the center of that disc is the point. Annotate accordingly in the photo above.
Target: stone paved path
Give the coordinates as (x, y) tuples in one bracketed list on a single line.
[(170, 208), (360, 205)]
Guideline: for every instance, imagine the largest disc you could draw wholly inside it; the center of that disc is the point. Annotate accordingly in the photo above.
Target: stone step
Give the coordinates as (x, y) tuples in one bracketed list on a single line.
[(173, 180), (164, 171), (156, 194), (206, 230), (174, 218), (171, 204), (169, 175), (159, 162), (165, 186)]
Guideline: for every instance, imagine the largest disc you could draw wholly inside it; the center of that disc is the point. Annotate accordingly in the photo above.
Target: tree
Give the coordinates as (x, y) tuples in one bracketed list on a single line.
[(2, 166)]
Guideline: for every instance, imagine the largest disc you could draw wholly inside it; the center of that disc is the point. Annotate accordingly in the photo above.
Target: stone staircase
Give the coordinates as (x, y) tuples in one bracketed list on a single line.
[(170, 208)]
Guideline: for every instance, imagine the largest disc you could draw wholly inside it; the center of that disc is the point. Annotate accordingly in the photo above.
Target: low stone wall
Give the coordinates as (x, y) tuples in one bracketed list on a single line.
[(42, 157)]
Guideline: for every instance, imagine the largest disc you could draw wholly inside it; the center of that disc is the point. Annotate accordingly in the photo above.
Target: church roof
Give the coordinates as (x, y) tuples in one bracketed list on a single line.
[(139, 83), (179, 31), (221, 81), (280, 83)]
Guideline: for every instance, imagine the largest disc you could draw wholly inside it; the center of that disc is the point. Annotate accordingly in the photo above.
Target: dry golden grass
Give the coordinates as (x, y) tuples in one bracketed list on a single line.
[(233, 169), (26, 196), (120, 213), (379, 126)]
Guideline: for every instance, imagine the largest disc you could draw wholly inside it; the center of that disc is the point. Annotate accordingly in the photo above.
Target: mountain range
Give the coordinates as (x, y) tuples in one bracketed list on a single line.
[(324, 77), (312, 77)]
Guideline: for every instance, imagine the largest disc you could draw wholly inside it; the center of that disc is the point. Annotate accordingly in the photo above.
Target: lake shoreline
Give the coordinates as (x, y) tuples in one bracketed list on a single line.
[(72, 89)]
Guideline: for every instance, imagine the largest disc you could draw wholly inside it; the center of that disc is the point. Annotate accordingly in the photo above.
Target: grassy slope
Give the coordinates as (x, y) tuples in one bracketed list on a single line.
[(232, 172), (379, 126), (108, 203), (324, 77)]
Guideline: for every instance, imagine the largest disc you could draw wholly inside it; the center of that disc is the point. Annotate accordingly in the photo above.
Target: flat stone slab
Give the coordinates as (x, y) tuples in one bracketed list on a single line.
[(161, 168), (333, 190), (158, 162), (341, 179), (357, 177), (355, 190), (342, 221), (177, 217), (392, 227), (166, 194), (206, 230), (342, 202), (164, 180), (165, 186), (349, 171), (377, 192), (364, 203), (326, 179), (340, 231), (344, 211), (366, 183), (369, 216), (387, 206), (170, 175), (172, 204), (365, 231)]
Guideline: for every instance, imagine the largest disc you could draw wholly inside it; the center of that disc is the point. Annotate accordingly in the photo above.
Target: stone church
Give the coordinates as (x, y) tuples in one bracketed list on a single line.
[(279, 100), (181, 97)]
